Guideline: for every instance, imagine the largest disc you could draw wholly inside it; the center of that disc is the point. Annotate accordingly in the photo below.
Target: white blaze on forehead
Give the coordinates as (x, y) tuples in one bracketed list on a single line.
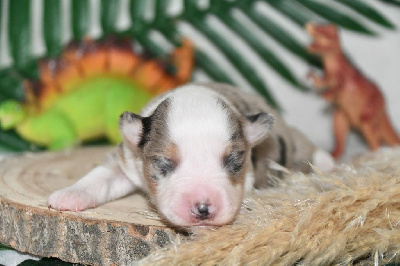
[(198, 123)]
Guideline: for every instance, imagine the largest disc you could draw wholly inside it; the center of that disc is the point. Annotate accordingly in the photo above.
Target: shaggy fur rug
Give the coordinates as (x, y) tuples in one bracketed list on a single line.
[(348, 216)]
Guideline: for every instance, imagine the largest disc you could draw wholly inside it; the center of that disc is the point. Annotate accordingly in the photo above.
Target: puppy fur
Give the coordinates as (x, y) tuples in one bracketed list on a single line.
[(195, 151)]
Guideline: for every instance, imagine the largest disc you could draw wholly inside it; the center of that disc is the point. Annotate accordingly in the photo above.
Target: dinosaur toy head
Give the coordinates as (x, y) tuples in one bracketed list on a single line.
[(11, 114), (326, 39)]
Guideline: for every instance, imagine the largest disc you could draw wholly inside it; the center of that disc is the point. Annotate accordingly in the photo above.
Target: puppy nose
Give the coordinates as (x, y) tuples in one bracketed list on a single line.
[(203, 211)]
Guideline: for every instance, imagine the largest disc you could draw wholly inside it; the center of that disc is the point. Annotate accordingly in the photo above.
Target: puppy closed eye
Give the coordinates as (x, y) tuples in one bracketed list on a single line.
[(164, 165), (234, 162)]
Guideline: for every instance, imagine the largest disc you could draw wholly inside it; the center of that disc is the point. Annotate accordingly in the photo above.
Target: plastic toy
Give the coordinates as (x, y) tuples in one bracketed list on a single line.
[(81, 95), (358, 102)]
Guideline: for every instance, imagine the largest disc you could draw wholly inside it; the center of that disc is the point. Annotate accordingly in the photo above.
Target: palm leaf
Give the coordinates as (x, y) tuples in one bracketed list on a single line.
[(141, 29), (108, 15), (1, 12), (4, 247), (278, 33), (10, 141), (20, 32), (11, 85), (335, 16), (196, 18), (263, 51), (392, 2), (368, 12), (52, 27), (80, 18), (293, 11), (45, 262)]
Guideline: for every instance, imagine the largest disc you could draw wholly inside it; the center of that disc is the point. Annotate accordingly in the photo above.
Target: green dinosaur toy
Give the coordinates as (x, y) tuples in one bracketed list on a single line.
[(87, 113), (82, 94)]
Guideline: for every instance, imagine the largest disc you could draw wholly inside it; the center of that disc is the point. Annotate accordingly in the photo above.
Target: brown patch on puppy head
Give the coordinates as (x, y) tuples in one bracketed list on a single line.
[(155, 128), (160, 165), (172, 152), (160, 154), (234, 157), (163, 161), (234, 163)]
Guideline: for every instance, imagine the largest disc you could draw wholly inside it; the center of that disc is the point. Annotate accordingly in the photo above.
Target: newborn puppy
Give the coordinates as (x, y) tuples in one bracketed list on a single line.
[(194, 150)]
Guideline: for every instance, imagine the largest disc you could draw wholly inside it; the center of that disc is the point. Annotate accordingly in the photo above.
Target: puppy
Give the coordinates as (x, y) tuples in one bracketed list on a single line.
[(194, 150)]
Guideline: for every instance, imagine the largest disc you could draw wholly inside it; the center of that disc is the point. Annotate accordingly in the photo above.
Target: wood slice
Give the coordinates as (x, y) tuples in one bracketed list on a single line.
[(118, 232)]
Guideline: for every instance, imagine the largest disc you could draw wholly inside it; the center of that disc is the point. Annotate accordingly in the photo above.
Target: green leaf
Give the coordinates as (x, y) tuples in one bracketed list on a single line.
[(391, 2), (202, 60), (45, 262), (237, 60), (4, 148), (1, 15), (20, 32), (211, 68), (11, 85), (367, 11), (30, 70), (10, 141), (5, 247), (140, 29), (335, 16), (292, 11), (279, 34), (80, 18), (109, 15), (267, 55), (52, 27), (150, 47), (137, 9), (160, 9)]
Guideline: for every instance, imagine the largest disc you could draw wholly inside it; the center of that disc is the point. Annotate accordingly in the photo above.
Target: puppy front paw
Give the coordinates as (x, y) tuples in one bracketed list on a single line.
[(69, 199)]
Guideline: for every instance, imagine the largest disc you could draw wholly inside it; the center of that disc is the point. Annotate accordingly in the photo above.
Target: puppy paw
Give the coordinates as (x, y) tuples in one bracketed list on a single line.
[(69, 199)]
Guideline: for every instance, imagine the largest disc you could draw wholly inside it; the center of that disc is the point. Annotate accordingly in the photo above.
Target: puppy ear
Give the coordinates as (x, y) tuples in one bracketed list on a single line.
[(131, 127), (257, 127)]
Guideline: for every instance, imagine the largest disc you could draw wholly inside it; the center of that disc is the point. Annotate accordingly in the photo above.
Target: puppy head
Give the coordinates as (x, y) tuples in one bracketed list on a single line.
[(195, 150)]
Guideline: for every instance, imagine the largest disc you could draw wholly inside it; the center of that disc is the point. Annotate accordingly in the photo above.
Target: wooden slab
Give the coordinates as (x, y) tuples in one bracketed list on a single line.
[(118, 232)]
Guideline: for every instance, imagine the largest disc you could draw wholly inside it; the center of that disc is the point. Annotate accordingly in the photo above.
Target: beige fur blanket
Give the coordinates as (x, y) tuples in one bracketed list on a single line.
[(351, 215)]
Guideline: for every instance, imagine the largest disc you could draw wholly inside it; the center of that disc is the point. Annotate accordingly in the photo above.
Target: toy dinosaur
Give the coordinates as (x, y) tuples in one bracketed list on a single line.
[(81, 95), (358, 102)]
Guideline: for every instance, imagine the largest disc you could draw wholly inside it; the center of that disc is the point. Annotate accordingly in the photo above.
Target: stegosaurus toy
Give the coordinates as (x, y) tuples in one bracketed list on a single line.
[(80, 95), (358, 101)]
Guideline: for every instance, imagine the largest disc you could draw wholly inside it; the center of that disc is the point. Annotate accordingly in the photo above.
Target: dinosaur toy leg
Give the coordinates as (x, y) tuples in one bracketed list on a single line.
[(341, 128), (371, 135), (389, 135), (52, 129), (62, 133)]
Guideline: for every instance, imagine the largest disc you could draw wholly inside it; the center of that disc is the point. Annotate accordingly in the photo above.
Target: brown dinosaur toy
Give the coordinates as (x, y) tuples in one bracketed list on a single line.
[(358, 102)]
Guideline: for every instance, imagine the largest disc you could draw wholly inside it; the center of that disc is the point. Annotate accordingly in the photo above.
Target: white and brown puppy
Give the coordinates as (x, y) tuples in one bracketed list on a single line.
[(194, 150)]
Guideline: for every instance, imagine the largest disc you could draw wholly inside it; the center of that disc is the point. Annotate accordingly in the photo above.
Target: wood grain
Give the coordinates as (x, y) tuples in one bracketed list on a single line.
[(118, 232)]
